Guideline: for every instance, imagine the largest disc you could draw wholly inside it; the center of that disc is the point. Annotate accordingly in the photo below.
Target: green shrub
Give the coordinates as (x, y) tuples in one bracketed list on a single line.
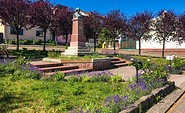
[(51, 42), (24, 42), (37, 42), (177, 66), (116, 79), (11, 42), (59, 76), (73, 79), (85, 79), (103, 78), (54, 54)]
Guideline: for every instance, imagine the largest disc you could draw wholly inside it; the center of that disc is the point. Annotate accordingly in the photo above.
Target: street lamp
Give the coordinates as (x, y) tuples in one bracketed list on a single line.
[(138, 65), (95, 37)]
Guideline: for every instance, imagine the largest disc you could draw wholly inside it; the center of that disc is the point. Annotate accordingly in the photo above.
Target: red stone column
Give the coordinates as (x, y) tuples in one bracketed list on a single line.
[(78, 38)]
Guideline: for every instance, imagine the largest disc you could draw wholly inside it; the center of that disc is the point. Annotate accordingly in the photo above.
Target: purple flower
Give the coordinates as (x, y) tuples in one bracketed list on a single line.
[(116, 99)]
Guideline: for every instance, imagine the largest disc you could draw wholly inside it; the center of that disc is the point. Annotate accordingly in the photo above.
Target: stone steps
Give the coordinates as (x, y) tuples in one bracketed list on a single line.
[(50, 68), (58, 68), (116, 62), (40, 64)]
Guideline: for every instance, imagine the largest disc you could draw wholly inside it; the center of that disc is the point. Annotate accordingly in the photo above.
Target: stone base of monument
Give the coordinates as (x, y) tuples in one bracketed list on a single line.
[(75, 51)]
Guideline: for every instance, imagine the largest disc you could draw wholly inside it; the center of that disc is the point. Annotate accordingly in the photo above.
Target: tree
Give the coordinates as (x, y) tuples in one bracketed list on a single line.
[(93, 26), (62, 21), (140, 27), (104, 35), (181, 29), (115, 23), (41, 13), (14, 14), (164, 27)]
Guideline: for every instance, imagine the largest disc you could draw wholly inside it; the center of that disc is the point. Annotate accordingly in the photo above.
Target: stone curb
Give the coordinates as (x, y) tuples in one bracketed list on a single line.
[(145, 102), (165, 104)]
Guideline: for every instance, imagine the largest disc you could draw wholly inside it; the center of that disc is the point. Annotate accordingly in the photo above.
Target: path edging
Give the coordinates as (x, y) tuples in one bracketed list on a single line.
[(147, 101)]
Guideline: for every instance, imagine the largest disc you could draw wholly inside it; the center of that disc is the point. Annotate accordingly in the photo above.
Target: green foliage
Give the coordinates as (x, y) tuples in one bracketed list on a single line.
[(54, 54), (85, 79), (51, 43), (25, 42), (104, 35), (73, 79), (18, 69), (59, 76), (37, 42), (177, 65), (28, 53), (116, 79), (103, 78), (11, 42)]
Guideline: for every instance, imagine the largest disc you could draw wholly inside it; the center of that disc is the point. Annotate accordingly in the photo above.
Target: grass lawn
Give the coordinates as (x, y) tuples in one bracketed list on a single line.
[(29, 53), (28, 95)]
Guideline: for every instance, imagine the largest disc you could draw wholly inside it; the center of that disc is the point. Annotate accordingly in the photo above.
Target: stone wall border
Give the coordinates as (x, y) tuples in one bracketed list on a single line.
[(146, 102)]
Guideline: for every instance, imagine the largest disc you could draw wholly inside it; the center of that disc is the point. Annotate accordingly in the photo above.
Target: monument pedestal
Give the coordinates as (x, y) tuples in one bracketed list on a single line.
[(78, 39)]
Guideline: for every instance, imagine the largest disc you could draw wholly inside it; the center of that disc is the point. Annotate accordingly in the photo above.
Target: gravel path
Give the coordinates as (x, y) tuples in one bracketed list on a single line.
[(126, 72)]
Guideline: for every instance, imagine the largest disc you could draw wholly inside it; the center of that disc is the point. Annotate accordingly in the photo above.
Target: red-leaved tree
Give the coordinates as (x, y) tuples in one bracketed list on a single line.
[(140, 27), (62, 21), (115, 23), (165, 27), (41, 13), (92, 26), (181, 29), (14, 13)]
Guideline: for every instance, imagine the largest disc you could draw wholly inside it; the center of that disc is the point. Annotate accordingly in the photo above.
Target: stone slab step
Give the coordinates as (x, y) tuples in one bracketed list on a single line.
[(119, 65), (70, 71), (115, 59), (117, 62), (41, 64), (58, 68)]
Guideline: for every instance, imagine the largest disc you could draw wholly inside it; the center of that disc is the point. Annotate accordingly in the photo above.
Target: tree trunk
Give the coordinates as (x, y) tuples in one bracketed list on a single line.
[(114, 43), (44, 47), (163, 47), (139, 46), (94, 42), (17, 33), (66, 39), (53, 36)]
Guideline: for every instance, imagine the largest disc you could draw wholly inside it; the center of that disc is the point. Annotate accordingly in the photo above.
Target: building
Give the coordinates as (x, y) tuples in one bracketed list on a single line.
[(8, 33)]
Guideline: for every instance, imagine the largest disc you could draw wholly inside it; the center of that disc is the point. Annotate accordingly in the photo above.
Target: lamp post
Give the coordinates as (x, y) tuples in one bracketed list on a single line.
[(138, 65), (95, 37)]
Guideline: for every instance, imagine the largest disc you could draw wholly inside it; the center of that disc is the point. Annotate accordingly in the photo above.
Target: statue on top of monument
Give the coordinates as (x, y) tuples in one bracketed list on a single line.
[(79, 14)]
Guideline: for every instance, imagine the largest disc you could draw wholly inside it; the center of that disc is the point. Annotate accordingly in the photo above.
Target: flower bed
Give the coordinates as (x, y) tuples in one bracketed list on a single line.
[(86, 92)]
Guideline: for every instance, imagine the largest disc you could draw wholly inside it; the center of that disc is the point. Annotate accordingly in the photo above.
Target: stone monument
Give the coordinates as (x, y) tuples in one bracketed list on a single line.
[(78, 39)]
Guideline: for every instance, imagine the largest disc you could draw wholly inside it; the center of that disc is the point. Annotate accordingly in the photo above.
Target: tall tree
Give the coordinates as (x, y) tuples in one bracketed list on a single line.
[(165, 26), (62, 21), (115, 23), (92, 24), (14, 14), (140, 27), (181, 29), (41, 13)]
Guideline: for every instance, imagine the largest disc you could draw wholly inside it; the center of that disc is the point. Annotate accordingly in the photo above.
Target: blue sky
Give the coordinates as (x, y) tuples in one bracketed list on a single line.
[(129, 7)]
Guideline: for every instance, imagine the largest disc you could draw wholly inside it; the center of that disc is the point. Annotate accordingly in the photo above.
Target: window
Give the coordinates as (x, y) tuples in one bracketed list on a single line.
[(39, 33), (13, 31)]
